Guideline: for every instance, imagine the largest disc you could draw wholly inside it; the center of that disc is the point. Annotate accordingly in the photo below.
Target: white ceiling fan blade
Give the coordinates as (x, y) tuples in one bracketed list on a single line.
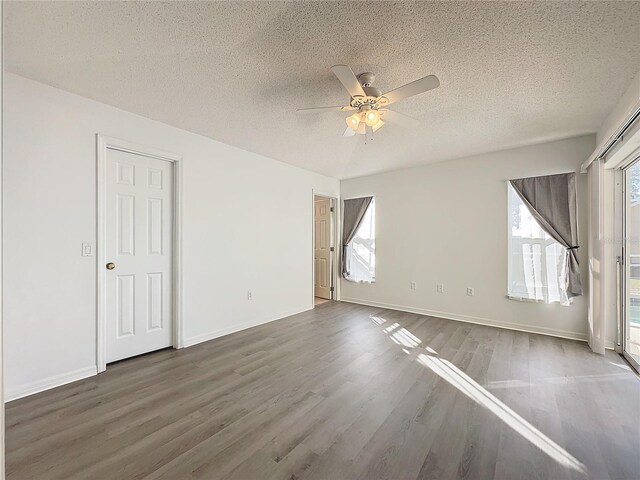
[(319, 110), (368, 134), (349, 132), (398, 118), (348, 79), (414, 88)]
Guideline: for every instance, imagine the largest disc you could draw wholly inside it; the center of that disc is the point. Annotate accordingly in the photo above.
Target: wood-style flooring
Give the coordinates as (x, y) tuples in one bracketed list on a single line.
[(341, 392)]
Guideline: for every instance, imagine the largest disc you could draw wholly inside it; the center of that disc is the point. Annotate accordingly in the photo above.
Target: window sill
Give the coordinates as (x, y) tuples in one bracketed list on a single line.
[(359, 281), (533, 300)]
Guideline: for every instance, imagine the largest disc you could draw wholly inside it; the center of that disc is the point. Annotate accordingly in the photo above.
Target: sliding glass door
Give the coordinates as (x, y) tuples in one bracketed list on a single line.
[(631, 317)]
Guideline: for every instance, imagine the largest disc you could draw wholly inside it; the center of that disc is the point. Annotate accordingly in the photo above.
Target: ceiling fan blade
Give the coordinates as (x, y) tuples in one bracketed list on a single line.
[(414, 88), (398, 118), (368, 134), (349, 132), (319, 110), (348, 79)]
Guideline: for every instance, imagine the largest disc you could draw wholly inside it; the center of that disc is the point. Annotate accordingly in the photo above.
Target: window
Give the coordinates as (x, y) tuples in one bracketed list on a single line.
[(536, 261), (361, 251)]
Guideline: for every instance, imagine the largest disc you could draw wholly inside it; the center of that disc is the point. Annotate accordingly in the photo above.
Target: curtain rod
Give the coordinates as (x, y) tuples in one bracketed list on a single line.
[(539, 176), (613, 139)]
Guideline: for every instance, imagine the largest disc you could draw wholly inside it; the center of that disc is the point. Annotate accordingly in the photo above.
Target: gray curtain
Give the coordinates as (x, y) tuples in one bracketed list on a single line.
[(352, 214), (552, 202)]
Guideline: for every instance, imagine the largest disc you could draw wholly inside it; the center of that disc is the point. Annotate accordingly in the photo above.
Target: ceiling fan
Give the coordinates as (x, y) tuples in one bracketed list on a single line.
[(369, 104)]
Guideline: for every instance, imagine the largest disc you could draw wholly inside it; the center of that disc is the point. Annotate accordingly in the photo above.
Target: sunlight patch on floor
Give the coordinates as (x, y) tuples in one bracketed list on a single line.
[(391, 328), (469, 387), (474, 391)]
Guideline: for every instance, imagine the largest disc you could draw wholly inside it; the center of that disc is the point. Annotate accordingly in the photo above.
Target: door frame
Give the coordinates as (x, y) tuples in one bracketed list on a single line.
[(626, 265), (103, 144), (336, 243)]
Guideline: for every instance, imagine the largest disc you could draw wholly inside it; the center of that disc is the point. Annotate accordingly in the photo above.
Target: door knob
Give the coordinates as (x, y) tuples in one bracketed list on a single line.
[(111, 266)]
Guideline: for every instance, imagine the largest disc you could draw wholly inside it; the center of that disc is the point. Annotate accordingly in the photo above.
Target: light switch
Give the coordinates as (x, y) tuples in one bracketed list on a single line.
[(88, 249)]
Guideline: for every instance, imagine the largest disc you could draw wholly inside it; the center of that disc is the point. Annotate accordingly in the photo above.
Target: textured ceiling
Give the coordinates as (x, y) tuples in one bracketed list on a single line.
[(511, 73)]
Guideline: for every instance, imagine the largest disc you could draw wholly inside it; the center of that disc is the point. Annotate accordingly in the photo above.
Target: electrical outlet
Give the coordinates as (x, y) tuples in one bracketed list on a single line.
[(470, 292), (440, 288), (249, 295), (414, 286)]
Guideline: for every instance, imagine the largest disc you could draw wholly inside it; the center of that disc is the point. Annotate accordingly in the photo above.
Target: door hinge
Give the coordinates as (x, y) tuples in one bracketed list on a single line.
[(331, 289), (331, 209), (331, 249)]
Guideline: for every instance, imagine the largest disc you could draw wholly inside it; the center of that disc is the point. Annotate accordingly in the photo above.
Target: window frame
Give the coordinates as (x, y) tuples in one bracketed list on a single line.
[(543, 243), (350, 250)]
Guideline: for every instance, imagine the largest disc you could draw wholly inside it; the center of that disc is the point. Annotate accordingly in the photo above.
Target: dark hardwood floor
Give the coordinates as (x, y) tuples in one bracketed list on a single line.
[(341, 392)]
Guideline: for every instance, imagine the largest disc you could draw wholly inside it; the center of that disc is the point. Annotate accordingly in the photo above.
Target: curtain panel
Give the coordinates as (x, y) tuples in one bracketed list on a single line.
[(353, 212), (596, 332), (552, 201)]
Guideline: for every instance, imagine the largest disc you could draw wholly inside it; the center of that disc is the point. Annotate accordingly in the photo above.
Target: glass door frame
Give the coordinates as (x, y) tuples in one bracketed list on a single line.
[(626, 266)]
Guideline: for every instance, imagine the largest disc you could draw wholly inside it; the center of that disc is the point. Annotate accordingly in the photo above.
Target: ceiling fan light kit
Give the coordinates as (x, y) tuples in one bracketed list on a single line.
[(353, 121), (372, 117), (369, 103)]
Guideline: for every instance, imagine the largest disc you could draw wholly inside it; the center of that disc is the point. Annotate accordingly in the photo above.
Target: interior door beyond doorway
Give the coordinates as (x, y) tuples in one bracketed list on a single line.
[(322, 247)]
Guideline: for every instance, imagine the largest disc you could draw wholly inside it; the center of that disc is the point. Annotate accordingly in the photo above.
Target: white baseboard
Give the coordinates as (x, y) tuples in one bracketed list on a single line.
[(14, 393), (62, 379), (188, 342), (477, 320)]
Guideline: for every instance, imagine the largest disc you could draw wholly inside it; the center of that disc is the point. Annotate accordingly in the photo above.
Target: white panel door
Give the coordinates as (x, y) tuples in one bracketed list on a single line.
[(322, 248), (139, 231)]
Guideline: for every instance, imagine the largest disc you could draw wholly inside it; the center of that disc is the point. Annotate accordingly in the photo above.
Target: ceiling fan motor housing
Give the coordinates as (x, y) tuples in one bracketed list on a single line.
[(372, 91), (366, 79)]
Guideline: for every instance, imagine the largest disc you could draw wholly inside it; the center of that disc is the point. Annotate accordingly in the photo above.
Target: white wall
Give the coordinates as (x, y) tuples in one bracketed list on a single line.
[(447, 223), (247, 225)]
